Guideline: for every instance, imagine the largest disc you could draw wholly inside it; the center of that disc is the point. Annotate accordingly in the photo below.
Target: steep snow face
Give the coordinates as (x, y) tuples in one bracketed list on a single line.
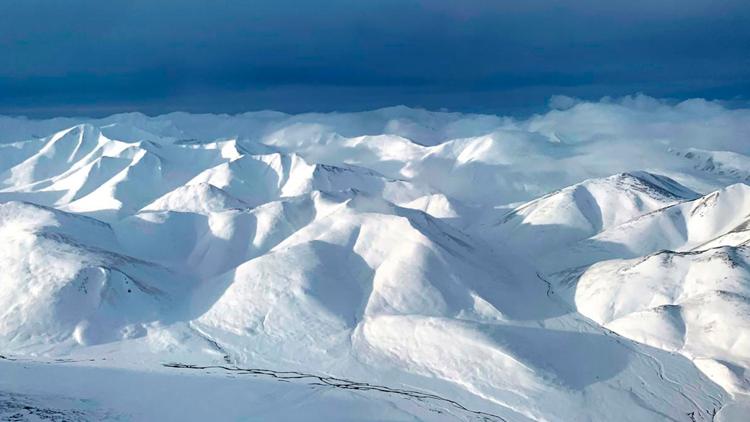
[(471, 266)]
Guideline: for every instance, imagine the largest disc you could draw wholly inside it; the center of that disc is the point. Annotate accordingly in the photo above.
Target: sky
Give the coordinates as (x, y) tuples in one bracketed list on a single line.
[(94, 58)]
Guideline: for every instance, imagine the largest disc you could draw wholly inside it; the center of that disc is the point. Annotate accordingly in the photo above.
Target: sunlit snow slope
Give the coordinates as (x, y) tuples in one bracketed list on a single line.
[(586, 264)]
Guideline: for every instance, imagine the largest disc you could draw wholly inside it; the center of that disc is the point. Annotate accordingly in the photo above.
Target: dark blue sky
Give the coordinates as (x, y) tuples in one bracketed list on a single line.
[(79, 57)]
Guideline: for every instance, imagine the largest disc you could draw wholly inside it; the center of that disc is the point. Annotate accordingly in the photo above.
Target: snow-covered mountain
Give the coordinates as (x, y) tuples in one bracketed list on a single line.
[(397, 264)]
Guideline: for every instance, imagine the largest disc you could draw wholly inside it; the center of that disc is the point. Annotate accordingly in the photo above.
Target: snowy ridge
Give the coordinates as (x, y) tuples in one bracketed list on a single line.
[(588, 208), (719, 218), (410, 251)]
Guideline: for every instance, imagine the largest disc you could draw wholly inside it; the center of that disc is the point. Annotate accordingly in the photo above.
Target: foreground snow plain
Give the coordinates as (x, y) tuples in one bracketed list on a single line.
[(591, 263)]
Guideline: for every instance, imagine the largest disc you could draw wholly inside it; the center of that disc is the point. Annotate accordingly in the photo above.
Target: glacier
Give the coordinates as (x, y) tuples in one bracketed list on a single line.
[(587, 263)]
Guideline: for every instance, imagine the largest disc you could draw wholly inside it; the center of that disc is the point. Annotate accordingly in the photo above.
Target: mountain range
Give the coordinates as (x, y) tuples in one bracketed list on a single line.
[(396, 264)]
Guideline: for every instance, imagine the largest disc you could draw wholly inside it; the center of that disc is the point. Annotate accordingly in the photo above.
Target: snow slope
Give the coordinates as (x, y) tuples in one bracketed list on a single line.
[(716, 219), (586, 209), (396, 264), (694, 303)]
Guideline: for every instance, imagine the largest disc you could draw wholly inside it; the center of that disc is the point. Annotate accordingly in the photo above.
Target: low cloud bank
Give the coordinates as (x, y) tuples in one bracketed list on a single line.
[(514, 159)]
